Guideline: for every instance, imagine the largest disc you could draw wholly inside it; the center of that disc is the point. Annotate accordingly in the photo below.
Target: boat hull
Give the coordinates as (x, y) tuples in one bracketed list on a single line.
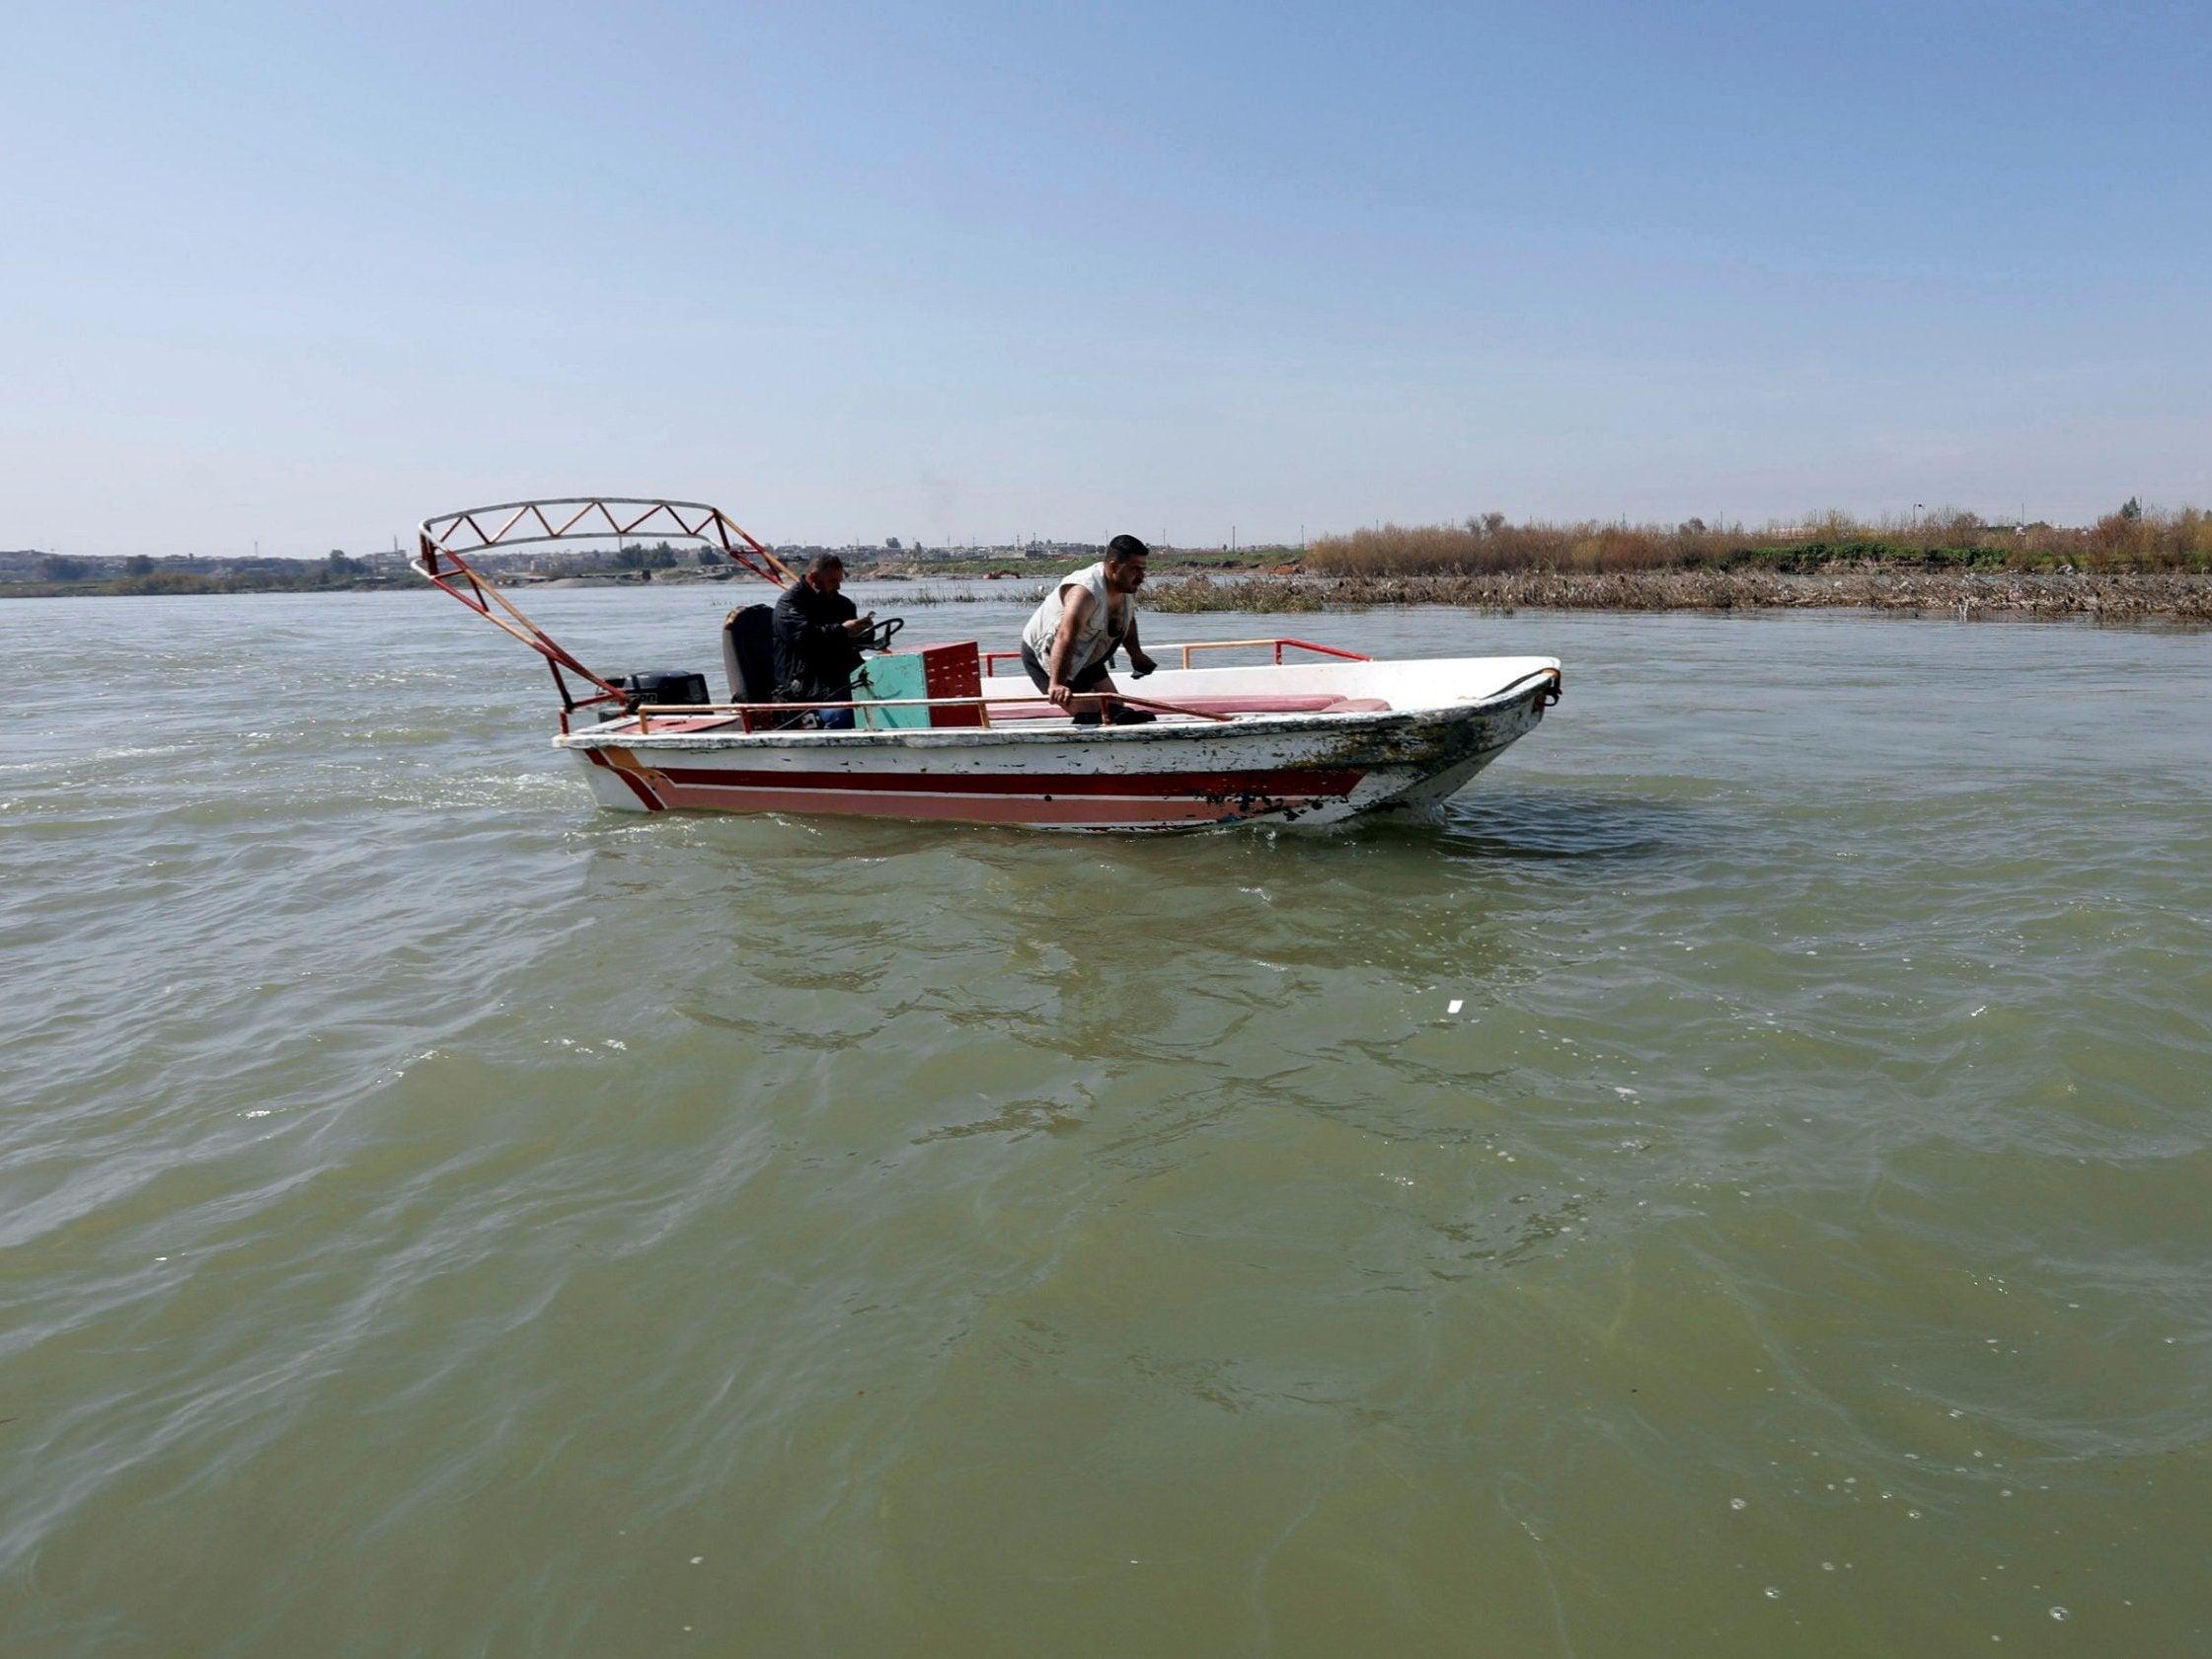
[(1295, 769)]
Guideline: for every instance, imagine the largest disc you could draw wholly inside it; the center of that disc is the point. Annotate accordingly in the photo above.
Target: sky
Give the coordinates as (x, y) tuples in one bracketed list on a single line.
[(302, 276)]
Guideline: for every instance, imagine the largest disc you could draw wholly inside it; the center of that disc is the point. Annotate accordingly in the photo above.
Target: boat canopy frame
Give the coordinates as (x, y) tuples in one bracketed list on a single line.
[(445, 540)]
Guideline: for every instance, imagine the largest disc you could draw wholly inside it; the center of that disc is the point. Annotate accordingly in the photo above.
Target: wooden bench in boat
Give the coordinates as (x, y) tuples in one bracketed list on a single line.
[(1314, 703)]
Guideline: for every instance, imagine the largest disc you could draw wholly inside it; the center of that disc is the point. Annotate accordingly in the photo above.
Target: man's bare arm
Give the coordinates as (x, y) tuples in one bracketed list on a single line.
[(1139, 659), (1072, 614)]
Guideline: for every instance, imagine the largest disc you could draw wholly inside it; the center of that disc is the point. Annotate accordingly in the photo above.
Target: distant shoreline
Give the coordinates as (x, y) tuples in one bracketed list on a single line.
[(2101, 595)]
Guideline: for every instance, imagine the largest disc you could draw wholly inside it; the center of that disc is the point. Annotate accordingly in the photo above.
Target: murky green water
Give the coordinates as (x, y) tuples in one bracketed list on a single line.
[(439, 1218)]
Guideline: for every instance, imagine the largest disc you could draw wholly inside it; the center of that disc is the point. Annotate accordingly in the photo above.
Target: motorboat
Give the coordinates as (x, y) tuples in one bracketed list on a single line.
[(1271, 730)]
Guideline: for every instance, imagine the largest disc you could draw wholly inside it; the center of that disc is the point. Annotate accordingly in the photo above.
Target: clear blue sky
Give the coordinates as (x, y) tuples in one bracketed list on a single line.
[(306, 274)]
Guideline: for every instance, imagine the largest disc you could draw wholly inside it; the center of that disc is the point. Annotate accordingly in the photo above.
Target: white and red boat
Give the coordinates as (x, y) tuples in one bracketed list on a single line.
[(1311, 735)]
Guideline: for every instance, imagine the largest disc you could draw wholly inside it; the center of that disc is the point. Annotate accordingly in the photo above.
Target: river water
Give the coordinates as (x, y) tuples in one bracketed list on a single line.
[(439, 1217)]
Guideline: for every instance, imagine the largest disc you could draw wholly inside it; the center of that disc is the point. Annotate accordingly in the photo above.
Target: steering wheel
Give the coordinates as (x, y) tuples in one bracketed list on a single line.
[(879, 637)]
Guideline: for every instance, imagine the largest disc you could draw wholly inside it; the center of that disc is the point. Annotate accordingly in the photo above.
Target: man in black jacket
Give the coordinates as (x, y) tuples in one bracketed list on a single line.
[(817, 636)]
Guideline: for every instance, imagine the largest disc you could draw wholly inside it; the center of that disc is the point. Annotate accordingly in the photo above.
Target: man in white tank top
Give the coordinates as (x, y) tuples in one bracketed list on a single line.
[(1073, 634)]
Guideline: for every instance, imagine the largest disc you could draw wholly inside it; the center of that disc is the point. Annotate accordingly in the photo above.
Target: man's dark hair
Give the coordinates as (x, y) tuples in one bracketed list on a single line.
[(1124, 548), (823, 561)]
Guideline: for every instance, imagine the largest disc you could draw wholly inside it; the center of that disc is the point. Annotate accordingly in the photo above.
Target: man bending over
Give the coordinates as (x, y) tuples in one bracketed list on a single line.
[(1069, 638)]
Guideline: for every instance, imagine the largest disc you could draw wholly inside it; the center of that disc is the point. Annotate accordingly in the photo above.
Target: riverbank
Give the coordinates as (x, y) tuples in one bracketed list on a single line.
[(2108, 595), (2132, 538), (2104, 595), (166, 586)]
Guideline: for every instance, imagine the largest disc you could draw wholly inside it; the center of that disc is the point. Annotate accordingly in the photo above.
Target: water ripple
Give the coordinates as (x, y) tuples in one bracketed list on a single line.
[(1762, 1116)]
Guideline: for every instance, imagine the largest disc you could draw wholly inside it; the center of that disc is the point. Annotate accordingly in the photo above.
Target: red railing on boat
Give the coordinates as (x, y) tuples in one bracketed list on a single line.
[(778, 715), (991, 659)]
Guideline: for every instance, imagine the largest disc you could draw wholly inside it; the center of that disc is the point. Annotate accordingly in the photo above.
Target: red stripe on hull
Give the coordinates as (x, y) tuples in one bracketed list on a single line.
[(1195, 787), (1073, 812)]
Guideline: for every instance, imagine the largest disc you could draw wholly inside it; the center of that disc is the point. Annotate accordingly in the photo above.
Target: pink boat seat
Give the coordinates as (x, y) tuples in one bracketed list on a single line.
[(673, 723), (1314, 703)]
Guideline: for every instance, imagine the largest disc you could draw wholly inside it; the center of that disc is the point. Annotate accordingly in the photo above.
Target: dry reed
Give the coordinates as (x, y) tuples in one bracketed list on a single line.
[(2130, 539), (2113, 595)]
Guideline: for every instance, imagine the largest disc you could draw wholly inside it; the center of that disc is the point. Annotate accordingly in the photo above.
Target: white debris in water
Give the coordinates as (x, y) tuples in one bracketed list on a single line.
[(1457, 1004), (1736, 1503)]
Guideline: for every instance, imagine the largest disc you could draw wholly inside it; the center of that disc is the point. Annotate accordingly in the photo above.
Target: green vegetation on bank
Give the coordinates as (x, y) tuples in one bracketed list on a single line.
[(55, 575), (2148, 562), (1169, 560), (35, 575)]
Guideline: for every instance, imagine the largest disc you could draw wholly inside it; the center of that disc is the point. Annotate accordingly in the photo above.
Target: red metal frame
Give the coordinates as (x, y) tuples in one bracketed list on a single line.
[(1324, 650), (446, 538), (595, 518), (1255, 645), (717, 714)]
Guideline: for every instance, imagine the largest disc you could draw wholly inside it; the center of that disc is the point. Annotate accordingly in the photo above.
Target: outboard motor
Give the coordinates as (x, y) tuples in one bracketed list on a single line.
[(657, 686)]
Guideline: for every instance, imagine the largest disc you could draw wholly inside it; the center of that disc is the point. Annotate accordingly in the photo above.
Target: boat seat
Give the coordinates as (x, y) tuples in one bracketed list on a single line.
[(748, 654), (1316, 703), (669, 726), (1312, 703)]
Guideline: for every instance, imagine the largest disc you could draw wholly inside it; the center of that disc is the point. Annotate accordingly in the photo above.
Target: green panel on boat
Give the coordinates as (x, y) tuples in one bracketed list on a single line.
[(889, 678)]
